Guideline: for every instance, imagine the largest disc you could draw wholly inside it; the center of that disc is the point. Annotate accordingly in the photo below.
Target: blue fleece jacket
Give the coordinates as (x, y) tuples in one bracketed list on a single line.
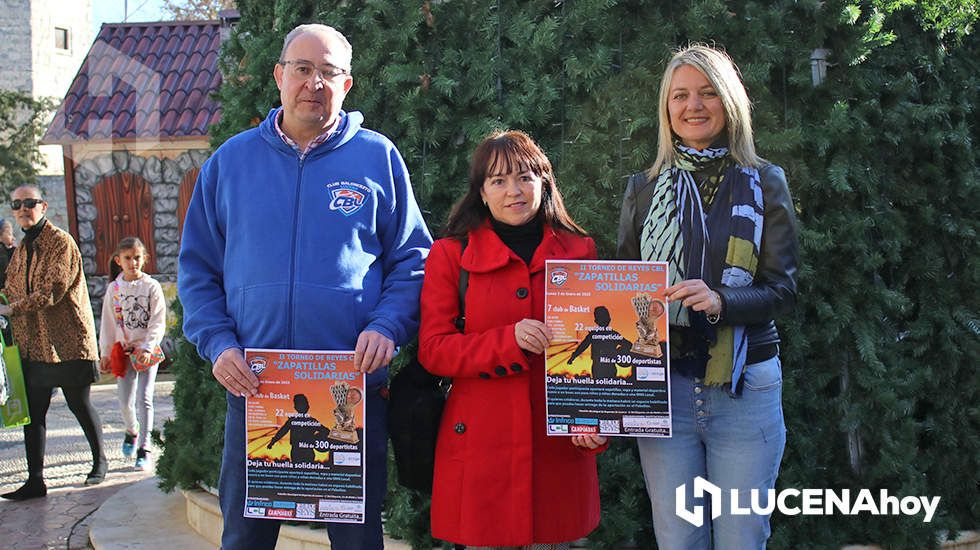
[(279, 252)]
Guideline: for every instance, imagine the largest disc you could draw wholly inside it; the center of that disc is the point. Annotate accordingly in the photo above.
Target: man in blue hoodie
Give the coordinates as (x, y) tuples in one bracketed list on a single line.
[(303, 233)]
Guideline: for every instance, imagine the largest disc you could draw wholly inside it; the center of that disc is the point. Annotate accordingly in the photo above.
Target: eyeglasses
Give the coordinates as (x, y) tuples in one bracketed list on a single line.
[(304, 70), (27, 203)]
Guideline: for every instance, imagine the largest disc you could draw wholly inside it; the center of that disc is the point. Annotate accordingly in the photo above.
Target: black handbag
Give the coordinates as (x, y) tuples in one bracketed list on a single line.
[(415, 401)]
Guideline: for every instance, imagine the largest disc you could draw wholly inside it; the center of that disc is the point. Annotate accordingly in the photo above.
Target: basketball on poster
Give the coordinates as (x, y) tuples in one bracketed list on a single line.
[(304, 436), (607, 364)]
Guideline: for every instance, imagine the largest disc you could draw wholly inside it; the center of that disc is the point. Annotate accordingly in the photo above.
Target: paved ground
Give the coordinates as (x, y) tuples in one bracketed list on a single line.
[(60, 519)]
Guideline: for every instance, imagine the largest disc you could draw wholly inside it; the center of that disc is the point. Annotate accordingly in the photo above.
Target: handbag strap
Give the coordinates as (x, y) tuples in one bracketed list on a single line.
[(117, 309), (3, 342), (464, 282)]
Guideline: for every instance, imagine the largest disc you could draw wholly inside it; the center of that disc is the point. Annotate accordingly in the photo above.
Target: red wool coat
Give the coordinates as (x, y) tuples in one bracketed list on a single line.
[(499, 479)]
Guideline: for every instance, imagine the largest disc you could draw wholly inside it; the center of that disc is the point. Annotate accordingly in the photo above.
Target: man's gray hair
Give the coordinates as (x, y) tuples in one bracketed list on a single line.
[(324, 30)]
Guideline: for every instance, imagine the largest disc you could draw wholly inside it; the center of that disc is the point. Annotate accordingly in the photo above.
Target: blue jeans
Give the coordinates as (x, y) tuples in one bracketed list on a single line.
[(241, 533), (733, 442)]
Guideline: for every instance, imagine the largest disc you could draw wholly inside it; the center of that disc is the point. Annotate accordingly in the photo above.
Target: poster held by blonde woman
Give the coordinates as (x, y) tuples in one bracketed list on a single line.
[(722, 217)]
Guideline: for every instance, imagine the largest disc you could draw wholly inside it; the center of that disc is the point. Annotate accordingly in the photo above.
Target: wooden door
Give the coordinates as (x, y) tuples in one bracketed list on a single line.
[(184, 196), (125, 208)]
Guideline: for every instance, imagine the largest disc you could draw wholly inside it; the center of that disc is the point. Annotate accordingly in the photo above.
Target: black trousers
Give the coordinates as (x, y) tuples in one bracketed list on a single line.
[(35, 433)]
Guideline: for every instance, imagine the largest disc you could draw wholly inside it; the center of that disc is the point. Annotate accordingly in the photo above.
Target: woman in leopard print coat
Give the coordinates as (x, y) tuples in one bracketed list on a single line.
[(53, 325)]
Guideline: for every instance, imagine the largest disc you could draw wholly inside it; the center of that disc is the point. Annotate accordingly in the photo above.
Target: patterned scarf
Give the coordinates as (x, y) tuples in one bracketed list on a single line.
[(679, 230)]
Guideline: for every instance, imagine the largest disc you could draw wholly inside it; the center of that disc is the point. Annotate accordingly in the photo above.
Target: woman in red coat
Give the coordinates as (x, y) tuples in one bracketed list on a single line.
[(500, 481)]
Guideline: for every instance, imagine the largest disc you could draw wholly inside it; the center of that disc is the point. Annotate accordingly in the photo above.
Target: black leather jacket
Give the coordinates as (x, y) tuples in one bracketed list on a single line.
[(773, 291)]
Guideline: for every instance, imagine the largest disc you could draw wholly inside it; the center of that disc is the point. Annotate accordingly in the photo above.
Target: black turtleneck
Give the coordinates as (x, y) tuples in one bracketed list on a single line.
[(33, 231), (30, 234), (522, 239)]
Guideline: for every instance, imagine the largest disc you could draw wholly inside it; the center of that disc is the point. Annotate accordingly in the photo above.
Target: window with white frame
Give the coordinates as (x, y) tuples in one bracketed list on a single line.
[(61, 38)]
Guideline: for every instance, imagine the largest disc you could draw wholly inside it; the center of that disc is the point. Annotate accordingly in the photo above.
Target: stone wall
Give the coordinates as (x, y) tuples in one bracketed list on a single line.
[(53, 191), (29, 60), (164, 176), (54, 69), (15, 48)]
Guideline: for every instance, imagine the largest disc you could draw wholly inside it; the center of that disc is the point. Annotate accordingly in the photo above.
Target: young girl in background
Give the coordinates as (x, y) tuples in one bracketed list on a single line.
[(133, 314)]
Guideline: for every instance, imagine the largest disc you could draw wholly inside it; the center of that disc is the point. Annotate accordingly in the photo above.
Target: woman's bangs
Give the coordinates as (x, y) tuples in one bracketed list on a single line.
[(506, 159)]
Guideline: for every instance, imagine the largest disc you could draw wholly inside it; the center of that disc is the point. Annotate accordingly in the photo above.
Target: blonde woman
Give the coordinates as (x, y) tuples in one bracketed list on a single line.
[(722, 217)]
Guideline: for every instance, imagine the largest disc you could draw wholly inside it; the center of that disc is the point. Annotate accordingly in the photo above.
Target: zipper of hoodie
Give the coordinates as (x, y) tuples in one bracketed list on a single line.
[(292, 257)]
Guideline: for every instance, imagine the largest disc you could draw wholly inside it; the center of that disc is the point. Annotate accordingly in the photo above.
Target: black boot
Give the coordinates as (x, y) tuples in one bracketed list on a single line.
[(34, 488), (97, 475)]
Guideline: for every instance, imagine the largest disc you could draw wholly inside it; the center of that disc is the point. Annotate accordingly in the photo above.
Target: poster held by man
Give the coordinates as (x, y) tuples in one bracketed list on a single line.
[(304, 433)]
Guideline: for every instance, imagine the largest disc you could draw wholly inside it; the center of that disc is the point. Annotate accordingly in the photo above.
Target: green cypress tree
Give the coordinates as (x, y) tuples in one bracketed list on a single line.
[(193, 439), (887, 204)]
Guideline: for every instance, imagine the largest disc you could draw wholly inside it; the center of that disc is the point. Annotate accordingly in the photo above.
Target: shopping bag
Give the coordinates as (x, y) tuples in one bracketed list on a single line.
[(4, 384), (14, 412)]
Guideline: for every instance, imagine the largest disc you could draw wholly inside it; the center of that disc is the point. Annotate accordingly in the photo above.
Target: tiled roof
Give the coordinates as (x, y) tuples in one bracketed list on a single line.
[(143, 81)]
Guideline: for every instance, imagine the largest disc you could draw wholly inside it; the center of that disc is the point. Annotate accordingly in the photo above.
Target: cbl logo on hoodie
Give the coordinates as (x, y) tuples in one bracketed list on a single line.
[(346, 196)]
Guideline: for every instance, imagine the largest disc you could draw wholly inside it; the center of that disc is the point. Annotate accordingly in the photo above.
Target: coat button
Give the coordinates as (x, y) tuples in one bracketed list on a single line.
[(516, 367), (485, 375), (522, 293), (500, 370), (460, 427)]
